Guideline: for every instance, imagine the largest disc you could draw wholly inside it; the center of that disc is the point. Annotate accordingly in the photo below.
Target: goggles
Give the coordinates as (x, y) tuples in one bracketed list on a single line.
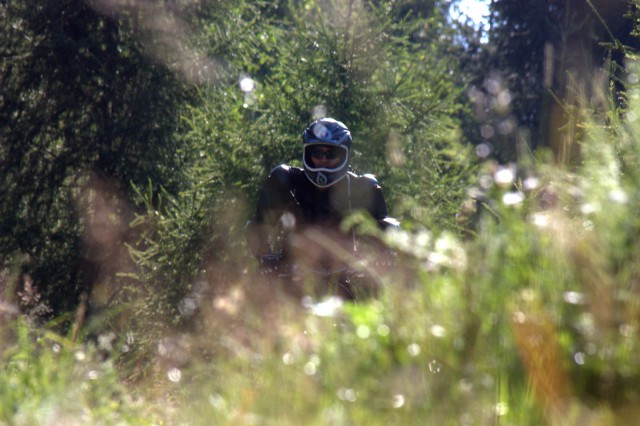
[(330, 153)]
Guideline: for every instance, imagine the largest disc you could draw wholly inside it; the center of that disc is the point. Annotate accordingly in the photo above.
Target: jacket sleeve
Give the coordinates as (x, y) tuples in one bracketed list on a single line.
[(377, 206), (273, 199), (275, 195)]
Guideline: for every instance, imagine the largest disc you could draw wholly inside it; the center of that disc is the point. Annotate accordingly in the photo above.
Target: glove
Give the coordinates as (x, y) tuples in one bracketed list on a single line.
[(272, 264)]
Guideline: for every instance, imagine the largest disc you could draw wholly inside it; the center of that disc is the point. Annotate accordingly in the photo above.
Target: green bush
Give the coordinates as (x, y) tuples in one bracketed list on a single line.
[(365, 69), (46, 378)]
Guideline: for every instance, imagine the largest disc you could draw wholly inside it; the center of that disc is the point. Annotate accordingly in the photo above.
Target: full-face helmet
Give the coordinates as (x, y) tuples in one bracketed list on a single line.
[(325, 152)]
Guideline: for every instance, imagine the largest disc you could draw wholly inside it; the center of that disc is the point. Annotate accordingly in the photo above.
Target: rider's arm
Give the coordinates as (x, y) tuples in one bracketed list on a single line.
[(377, 206), (274, 197)]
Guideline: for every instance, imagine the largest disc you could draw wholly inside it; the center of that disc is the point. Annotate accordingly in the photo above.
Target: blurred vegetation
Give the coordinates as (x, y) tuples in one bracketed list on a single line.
[(134, 138), (81, 106)]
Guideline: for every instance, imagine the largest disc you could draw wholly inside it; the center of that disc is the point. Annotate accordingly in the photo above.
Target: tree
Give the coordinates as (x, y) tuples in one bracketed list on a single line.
[(542, 55), (385, 75), (80, 98)]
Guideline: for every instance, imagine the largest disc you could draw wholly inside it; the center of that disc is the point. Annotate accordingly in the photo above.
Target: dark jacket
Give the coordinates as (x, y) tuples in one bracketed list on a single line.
[(288, 190)]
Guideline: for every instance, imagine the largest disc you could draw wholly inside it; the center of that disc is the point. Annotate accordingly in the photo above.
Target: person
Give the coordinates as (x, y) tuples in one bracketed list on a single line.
[(308, 205)]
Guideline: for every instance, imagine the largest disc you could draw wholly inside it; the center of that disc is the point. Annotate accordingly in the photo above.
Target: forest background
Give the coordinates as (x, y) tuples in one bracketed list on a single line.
[(134, 137)]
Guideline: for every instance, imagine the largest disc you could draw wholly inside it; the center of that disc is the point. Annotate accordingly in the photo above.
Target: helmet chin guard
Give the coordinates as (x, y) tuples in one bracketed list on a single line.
[(330, 133)]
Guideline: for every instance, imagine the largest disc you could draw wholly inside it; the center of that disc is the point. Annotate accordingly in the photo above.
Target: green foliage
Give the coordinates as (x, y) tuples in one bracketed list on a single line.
[(529, 317), (532, 321), (45, 377), (358, 65), (539, 56), (80, 102), (285, 65)]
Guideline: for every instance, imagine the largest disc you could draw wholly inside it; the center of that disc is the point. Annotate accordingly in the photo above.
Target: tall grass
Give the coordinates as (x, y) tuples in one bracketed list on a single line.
[(532, 318), (46, 379)]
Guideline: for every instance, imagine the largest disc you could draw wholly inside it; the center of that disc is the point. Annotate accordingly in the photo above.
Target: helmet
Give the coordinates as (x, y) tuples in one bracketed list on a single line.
[(331, 133)]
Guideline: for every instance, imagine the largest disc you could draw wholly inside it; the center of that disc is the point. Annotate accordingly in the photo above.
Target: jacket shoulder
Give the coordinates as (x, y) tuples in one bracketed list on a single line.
[(285, 175), (366, 180)]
